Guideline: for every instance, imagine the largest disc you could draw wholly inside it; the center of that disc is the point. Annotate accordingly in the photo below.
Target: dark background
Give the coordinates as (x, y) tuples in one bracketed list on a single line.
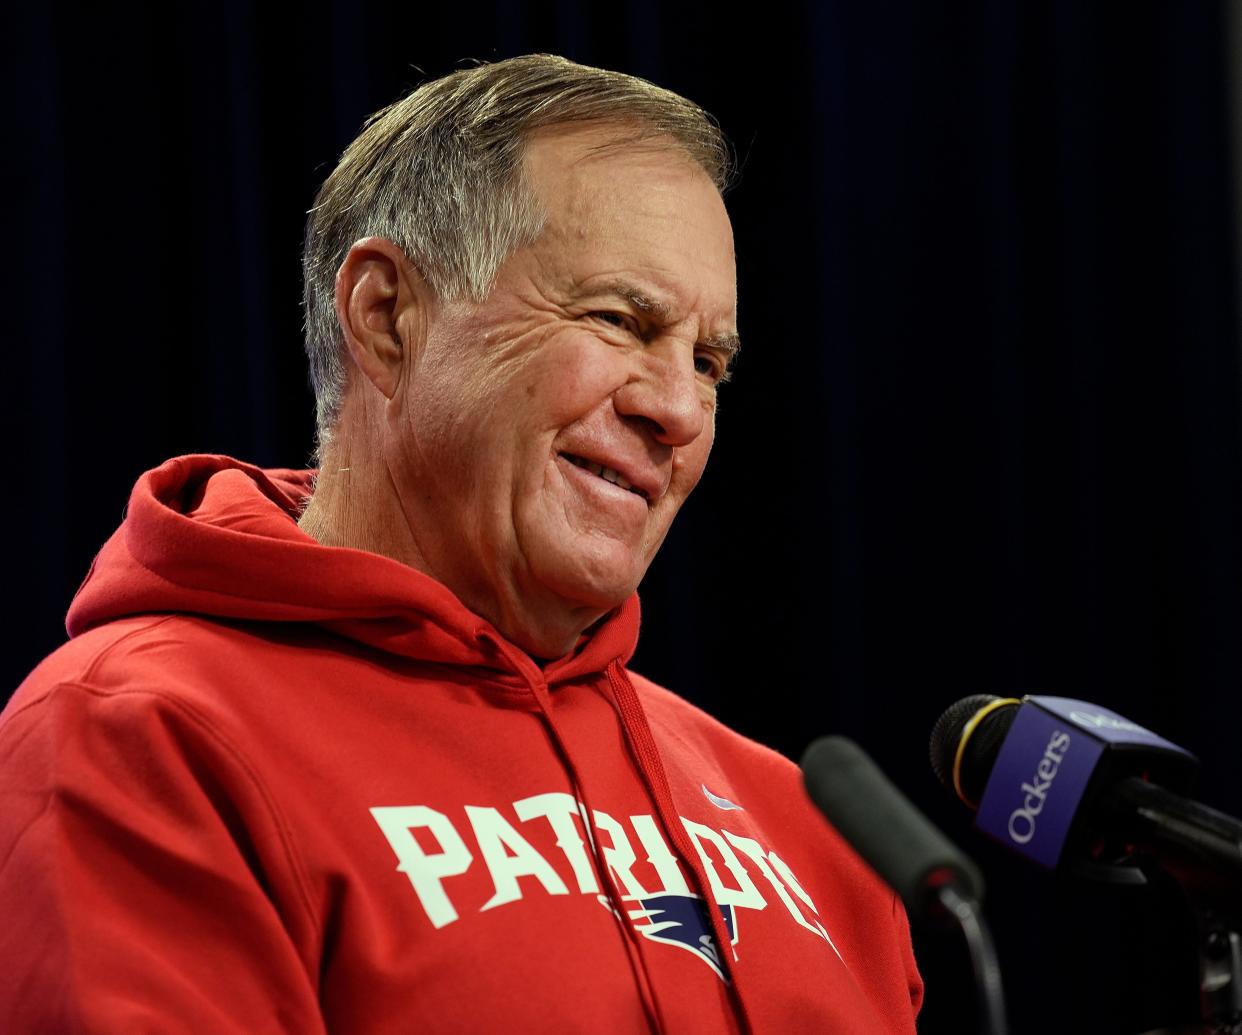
[(984, 437)]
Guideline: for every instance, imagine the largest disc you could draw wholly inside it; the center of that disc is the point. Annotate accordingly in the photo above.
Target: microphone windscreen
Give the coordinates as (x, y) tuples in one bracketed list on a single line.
[(981, 749), (896, 840)]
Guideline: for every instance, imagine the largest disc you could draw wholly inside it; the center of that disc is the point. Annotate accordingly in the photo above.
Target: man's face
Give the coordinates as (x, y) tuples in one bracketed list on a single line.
[(551, 433)]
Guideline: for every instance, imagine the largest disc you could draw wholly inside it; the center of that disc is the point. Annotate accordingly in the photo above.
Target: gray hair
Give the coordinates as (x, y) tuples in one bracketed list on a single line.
[(439, 173)]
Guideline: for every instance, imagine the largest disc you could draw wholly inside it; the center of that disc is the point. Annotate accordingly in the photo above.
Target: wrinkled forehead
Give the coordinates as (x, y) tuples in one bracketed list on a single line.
[(603, 138), (624, 207), (562, 162), (587, 174)]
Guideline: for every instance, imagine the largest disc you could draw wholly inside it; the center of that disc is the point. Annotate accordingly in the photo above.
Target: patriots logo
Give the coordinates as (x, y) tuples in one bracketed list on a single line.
[(680, 920)]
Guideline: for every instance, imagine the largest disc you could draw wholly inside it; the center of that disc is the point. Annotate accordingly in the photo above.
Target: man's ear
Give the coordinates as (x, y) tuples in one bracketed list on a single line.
[(378, 289)]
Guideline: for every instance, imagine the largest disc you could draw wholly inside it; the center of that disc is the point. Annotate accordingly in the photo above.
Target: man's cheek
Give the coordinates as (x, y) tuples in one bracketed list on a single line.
[(689, 463)]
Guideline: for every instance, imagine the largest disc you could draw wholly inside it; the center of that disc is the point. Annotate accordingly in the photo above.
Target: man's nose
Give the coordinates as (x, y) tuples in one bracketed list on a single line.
[(665, 392)]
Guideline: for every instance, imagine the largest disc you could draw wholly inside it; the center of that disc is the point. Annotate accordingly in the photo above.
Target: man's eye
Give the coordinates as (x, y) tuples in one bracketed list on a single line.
[(615, 319), (710, 367)]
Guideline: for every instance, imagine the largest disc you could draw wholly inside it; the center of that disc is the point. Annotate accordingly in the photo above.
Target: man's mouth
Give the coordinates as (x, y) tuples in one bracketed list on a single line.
[(607, 473)]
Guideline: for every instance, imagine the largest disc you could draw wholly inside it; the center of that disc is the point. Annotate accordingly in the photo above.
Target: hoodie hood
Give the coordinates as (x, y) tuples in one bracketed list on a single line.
[(210, 535)]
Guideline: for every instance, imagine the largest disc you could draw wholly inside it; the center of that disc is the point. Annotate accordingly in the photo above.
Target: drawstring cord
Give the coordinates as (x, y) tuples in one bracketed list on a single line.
[(642, 744), (630, 937)]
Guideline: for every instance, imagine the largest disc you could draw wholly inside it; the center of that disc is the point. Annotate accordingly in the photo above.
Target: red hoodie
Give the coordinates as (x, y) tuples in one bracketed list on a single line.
[(270, 785)]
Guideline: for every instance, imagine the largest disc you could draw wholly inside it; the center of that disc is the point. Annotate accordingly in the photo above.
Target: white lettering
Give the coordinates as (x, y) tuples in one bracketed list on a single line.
[(660, 856), (559, 809), (788, 877), (1090, 719), (426, 872), (620, 857), (1021, 826), (754, 851), (745, 894), (508, 856), (1034, 794)]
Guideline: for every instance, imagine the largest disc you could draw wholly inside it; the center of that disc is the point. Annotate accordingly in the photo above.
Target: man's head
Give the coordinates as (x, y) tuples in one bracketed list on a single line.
[(440, 174), (540, 426)]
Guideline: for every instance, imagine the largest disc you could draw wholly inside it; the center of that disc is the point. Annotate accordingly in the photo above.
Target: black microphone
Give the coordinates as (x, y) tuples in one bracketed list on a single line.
[(1068, 783), (916, 860), (897, 841)]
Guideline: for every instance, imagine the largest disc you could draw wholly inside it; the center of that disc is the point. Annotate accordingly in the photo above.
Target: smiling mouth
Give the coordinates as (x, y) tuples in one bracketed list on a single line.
[(607, 473)]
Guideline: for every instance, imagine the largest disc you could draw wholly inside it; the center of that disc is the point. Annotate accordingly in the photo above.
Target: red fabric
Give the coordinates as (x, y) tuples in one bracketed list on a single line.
[(274, 786)]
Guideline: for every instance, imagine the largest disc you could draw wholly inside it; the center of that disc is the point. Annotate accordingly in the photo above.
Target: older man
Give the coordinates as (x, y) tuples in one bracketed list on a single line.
[(373, 762)]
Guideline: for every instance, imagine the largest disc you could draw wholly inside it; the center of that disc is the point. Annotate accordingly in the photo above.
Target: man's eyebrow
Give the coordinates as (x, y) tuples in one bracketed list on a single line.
[(730, 344), (641, 301)]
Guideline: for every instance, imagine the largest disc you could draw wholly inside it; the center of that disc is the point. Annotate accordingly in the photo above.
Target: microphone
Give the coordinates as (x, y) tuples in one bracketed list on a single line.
[(897, 841), (934, 879), (1068, 783)]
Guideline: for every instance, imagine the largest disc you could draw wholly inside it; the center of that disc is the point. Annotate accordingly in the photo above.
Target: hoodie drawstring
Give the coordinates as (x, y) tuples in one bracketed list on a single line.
[(630, 937), (643, 747)]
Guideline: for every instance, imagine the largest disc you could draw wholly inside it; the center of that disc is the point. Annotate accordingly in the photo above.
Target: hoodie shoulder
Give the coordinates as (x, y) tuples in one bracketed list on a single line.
[(138, 650), (702, 733)]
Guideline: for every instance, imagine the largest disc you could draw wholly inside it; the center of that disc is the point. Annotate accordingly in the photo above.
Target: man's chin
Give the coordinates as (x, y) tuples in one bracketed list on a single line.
[(594, 587), (559, 594), (585, 570)]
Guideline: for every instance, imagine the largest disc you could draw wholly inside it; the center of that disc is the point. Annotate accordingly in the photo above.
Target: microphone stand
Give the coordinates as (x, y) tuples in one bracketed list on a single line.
[(1200, 849), (957, 904), (1220, 975), (1220, 979)]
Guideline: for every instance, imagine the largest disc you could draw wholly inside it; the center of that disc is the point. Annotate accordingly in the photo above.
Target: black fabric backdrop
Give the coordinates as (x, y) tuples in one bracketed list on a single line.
[(984, 436)]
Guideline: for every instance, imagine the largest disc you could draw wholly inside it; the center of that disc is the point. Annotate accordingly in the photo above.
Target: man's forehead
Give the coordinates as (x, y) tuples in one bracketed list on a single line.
[(582, 143), (620, 209), (570, 162)]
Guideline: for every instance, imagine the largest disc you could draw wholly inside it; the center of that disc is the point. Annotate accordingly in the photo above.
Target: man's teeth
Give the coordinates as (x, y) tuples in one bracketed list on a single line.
[(607, 473)]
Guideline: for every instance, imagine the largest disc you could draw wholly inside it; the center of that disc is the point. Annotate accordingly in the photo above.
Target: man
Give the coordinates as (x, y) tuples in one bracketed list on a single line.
[(373, 762)]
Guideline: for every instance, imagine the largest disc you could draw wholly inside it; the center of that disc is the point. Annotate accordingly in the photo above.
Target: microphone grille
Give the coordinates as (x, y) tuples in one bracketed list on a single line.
[(947, 734), (980, 751)]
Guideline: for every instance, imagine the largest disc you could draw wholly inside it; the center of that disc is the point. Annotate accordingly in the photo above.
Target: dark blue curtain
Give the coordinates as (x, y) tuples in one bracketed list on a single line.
[(985, 435)]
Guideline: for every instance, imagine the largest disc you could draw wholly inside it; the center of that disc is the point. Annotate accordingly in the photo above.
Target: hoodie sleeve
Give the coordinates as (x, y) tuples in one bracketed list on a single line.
[(914, 980), (145, 881)]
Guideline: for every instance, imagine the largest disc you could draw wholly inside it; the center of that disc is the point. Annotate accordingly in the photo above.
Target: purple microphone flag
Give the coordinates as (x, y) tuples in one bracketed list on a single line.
[(1043, 769), (1103, 724)]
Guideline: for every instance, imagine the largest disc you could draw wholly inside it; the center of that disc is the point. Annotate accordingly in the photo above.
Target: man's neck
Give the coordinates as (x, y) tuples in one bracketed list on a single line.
[(355, 505)]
